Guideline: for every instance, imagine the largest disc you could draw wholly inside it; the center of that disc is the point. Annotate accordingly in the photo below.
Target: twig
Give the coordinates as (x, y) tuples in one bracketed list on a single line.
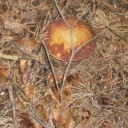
[(70, 60), (9, 57), (113, 107), (11, 96), (120, 14), (16, 58), (24, 55), (59, 10), (52, 68), (6, 108), (23, 52), (85, 43), (117, 13), (12, 99), (66, 70), (122, 36)]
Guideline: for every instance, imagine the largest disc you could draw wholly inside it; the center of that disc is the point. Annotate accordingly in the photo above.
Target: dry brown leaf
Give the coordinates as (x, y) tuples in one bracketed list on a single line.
[(4, 72), (67, 119), (70, 81), (26, 122), (42, 111), (22, 65), (28, 43)]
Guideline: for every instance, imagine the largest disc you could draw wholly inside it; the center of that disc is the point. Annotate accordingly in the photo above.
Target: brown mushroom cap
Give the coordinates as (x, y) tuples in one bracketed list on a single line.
[(59, 42)]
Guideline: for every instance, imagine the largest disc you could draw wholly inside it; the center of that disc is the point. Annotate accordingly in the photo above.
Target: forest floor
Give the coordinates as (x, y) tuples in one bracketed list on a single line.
[(92, 93)]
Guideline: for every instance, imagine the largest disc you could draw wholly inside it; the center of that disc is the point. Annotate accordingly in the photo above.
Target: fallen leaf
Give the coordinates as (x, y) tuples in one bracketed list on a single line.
[(26, 121)]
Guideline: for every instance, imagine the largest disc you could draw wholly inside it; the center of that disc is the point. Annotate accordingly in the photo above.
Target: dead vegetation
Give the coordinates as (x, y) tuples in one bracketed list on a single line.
[(37, 91)]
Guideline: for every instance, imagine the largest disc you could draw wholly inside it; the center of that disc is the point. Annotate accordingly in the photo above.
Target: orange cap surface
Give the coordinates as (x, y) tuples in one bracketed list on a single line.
[(59, 42)]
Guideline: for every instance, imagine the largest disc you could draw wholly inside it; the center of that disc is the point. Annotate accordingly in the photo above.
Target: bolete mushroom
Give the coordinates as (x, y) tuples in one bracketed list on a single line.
[(58, 40)]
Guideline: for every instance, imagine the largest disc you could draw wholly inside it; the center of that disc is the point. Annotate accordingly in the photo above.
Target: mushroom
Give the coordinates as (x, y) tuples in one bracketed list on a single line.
[(58, 40)]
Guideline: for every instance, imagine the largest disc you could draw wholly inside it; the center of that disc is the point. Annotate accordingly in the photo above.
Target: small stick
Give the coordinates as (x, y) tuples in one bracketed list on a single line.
[(69, 63), (11, 97), (9, 57), (24, 53), (121, 35), (113, 107), (52, 68)]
